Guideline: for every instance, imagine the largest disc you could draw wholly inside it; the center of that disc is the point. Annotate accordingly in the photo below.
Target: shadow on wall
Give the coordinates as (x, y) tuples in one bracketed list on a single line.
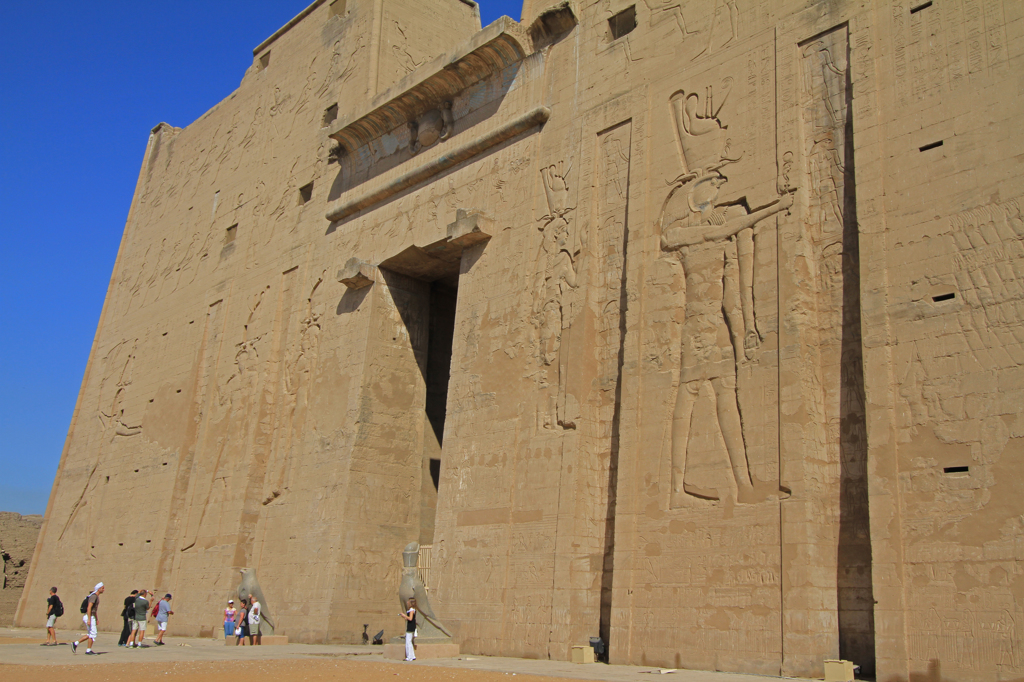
[(933, 674)]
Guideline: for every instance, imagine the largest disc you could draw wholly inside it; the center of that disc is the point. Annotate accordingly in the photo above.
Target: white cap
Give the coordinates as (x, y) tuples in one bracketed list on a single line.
[(97, 588), (231, 601)]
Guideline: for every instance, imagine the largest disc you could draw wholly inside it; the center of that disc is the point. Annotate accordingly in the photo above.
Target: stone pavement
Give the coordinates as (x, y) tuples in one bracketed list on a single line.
[(20, 646)]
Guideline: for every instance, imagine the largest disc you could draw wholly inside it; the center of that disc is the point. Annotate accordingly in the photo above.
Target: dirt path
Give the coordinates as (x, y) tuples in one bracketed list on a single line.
[(330, 668)]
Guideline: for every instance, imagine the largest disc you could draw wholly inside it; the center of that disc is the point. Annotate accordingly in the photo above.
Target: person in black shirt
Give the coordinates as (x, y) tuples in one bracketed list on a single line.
[(128, 614), (410, 629), (52, 604)]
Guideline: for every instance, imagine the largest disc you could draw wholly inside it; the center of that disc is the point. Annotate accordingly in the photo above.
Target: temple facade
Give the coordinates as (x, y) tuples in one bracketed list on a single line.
[(693, 326)]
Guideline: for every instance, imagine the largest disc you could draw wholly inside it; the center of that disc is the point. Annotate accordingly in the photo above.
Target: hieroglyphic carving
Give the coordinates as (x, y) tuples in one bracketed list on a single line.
[(715, 242), (554, 302), (941, 46)]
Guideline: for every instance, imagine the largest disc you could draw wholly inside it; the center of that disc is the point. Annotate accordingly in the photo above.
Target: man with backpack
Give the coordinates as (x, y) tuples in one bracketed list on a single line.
[(162, 611), (128, 615), (54, 610), (90, 610)]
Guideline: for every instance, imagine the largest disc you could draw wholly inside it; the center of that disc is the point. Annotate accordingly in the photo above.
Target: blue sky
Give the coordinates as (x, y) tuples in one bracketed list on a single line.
[(82, 86)]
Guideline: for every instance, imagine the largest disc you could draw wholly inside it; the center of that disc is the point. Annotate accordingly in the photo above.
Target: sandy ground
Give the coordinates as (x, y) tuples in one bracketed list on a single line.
[(278, 671), (208, 660)]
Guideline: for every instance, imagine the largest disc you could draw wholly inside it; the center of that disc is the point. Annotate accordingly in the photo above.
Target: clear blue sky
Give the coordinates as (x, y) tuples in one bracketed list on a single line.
[(82, 85)]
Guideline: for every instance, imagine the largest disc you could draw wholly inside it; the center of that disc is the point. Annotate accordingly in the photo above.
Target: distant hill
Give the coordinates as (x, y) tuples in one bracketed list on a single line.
[(18, 535)]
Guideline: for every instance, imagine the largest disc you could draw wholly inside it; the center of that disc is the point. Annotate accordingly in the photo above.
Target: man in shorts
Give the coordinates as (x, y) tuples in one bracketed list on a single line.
[(161, 618), (92, 607), (139, 623), (255, 618), (53, 606)]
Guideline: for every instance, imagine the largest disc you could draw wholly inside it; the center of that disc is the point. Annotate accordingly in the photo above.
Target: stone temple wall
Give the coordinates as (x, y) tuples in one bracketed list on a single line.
[(18, 535), (690, 325)]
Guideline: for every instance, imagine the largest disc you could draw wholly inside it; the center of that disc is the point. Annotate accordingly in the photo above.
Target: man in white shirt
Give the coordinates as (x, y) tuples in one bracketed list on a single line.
[(92, 607), (254, 622)]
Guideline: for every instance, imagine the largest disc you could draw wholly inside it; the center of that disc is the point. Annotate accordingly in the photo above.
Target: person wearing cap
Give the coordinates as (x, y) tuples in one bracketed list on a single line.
[(92, 608), (229, 619), (163, 610), (139, 623)]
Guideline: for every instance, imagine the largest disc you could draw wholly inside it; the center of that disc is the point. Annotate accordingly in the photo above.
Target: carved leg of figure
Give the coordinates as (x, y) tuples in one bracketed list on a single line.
[(732, 432), (731, 304), (745, 250), (685, 399)]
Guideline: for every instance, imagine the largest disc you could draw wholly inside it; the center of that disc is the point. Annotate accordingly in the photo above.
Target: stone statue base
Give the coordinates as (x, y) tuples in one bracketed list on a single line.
[(267, 640), (426, 647)]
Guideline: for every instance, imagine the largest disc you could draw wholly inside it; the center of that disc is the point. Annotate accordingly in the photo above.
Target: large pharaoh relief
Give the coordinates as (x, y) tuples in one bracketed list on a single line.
[(718, 239)]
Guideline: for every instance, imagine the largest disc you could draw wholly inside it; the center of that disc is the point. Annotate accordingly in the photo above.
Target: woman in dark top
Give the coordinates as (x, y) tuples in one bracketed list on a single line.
[(128, 614), (410, 629), (242, 631)]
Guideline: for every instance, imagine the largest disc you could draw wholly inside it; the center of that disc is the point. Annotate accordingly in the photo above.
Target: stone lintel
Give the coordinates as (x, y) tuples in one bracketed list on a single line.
[(357, 274), (356, 200), (469, 228), (492, 49)]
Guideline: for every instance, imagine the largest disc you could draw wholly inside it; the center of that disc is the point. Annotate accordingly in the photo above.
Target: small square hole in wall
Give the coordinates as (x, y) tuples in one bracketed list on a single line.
[(264, 60), (231, 233), (623, 22), (305, 193), (330, 115), (337, 8)]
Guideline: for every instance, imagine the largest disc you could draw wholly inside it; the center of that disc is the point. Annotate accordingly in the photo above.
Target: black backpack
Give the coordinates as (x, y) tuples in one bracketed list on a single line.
[(58, 608), (85, 603)]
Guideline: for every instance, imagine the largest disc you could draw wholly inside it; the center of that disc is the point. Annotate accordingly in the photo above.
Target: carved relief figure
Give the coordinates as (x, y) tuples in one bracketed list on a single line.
[(556, 279), (662, 10), (722, 7), (714, 240), (716, 331)]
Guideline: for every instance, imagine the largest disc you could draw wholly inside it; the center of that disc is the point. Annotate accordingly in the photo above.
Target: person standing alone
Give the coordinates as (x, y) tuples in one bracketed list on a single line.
[(128, 615), (54, 610), (90, 611), (163, 610), (410, 629)]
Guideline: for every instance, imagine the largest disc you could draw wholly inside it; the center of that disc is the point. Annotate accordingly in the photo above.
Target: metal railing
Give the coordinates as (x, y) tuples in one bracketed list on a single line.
[(423, 565)]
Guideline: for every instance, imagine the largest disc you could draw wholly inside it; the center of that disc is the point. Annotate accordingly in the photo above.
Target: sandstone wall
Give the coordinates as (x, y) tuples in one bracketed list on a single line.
[(689, 325), (18, 535)]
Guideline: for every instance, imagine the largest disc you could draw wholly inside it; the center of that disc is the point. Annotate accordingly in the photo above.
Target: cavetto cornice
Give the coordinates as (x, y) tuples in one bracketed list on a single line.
[(499, 45)]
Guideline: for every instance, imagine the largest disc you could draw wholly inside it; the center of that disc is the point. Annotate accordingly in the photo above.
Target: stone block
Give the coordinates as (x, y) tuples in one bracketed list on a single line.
[(357, 274)]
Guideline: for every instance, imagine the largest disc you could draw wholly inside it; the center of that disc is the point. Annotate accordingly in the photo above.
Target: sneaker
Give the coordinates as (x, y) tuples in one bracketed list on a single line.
[(74, 647), (90, 652)]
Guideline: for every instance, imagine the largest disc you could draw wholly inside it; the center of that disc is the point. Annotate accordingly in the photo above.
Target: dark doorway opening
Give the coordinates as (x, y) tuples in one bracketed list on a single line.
[(443, 297), (425, 288)]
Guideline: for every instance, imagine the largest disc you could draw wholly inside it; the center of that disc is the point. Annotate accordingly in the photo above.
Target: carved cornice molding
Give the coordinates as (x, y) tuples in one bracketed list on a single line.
[(352, 201), (499, 45)]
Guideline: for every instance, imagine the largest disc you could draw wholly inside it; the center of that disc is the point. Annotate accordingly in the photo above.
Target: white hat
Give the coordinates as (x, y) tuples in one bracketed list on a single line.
[(231, 601), (97, 588)]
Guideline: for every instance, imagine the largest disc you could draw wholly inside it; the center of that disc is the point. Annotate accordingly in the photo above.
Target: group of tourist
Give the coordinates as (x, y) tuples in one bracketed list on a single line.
[(243, 623), (135, 613)]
